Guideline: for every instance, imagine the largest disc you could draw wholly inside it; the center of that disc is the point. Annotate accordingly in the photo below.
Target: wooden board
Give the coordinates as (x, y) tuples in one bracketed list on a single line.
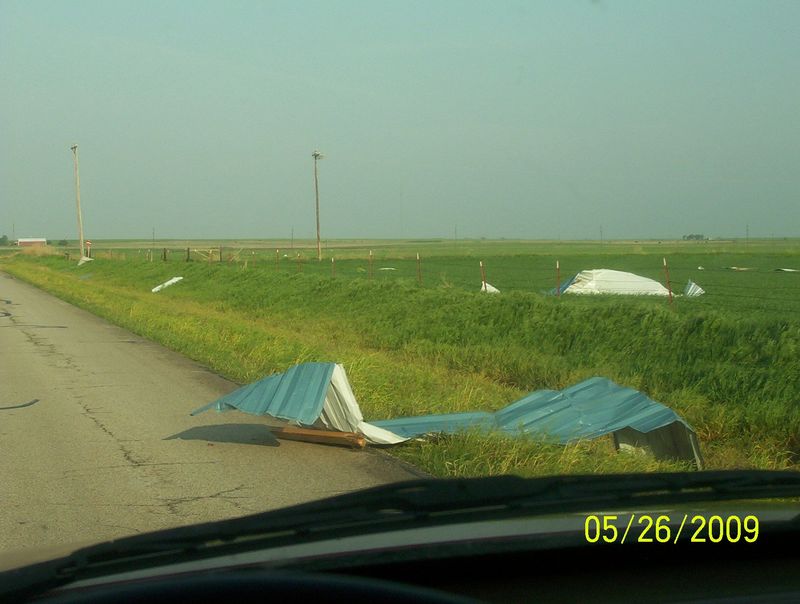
[(327, 437)]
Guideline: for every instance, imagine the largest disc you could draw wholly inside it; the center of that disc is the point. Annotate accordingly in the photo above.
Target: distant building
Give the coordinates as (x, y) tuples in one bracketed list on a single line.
[(31, 242)]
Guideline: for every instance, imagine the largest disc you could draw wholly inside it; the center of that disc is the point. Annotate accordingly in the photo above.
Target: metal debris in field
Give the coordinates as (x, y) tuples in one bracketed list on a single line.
[(318, 396), (172, 281), (692, 289), (609, 281)]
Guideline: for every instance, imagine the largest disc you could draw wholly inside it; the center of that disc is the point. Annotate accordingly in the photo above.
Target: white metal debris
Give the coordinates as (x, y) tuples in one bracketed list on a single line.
[(172, 281), (692, 289)]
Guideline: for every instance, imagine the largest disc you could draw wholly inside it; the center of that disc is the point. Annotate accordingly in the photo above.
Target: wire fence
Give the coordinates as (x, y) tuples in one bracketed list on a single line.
[(771, 284)]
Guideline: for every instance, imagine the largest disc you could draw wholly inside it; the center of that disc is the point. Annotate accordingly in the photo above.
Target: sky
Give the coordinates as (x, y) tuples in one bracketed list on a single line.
[(515, 119)]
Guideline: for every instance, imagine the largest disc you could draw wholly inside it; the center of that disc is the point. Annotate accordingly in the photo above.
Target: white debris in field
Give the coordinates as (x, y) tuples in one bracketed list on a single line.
[(692, 289), (387, 268), (700, 268), (490, 289), (172, 281), (84, 260)]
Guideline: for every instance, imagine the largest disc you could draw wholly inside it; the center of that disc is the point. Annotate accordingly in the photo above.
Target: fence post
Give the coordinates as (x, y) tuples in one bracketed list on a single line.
[(299, 264), (370, 264), (483, 276), (187, 254), (220, 253), (669, 285), (558, 279), (333, 267), (277, 261), (164, 254), (419, 271)]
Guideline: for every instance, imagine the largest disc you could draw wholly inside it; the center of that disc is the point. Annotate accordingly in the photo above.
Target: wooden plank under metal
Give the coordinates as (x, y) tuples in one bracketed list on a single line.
[(327, 437)]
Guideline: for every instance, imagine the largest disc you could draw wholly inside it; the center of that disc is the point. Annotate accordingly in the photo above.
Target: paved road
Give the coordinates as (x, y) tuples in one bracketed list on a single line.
[(108, 447)]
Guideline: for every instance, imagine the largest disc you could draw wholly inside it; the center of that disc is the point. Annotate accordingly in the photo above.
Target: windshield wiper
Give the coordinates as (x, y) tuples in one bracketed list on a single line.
[(395, 506)]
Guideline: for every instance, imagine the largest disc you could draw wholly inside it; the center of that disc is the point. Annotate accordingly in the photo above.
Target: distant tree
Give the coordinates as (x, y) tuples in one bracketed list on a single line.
[(3, 240), (63, 243)]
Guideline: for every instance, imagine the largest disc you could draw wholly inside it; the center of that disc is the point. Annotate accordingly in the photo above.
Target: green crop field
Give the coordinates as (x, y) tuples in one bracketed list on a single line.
[(422, 339)]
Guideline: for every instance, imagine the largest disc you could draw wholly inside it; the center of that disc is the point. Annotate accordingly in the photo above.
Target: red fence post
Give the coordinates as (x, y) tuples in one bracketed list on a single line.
[(669, 286)]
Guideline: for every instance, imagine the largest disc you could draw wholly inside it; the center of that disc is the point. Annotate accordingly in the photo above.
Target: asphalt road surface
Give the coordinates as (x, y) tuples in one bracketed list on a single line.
[(96, 440)]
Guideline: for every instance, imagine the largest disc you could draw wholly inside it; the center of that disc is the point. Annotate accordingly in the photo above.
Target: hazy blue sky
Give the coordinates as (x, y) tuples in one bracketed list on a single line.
[(505, 119)]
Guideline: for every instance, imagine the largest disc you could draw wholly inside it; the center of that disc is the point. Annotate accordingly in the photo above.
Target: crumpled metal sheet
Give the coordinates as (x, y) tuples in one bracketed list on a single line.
[(589, 409), (313, 395), (296, 395)]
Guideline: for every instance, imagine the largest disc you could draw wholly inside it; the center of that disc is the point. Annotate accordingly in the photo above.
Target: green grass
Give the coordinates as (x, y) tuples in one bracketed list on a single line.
[(730, 368), (523, 266)]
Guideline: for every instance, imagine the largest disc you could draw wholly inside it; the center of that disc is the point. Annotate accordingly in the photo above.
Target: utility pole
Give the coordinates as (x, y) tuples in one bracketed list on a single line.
[(74, 149), (317, 156)]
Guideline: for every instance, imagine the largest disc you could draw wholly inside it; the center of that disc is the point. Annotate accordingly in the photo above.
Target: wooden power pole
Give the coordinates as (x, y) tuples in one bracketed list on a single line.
[(78, 197), (317, 156)]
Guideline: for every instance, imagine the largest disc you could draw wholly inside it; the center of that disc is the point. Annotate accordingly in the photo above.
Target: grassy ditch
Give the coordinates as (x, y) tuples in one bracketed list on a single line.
[(411, 350)]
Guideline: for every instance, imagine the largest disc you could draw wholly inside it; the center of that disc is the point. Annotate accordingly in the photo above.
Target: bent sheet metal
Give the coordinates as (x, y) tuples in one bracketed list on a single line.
[(319, 395)]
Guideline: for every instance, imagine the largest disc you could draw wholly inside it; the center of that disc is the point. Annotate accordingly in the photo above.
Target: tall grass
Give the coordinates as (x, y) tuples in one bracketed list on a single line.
[(412, 350)]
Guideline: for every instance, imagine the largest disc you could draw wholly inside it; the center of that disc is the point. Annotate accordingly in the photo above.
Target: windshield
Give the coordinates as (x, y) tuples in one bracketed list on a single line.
[(260, 254)]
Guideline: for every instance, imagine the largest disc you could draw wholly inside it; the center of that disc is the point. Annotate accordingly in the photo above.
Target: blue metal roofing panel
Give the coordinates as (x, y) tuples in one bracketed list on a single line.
[(409, 427), (589, 409), (298, 394)]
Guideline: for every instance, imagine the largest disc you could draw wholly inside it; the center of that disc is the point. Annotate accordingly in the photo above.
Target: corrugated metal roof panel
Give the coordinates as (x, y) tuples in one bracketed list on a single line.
[(586, 410), (608, 281), (298, 394), (409, 427), (589, 409)]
